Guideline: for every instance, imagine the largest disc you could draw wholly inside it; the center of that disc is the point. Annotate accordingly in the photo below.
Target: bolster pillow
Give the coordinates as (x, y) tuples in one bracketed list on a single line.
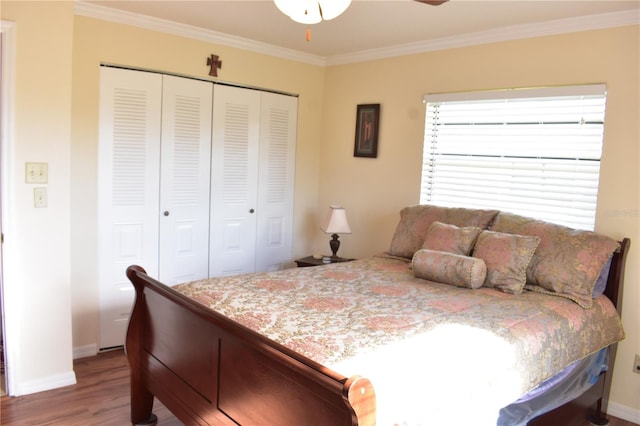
[(449, 268)]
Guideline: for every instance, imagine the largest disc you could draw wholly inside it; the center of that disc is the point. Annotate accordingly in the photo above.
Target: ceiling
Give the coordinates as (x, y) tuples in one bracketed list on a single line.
[(370, 26)]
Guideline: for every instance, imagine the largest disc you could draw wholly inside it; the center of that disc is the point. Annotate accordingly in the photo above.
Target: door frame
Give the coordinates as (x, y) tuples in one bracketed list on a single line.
[(11, 330)]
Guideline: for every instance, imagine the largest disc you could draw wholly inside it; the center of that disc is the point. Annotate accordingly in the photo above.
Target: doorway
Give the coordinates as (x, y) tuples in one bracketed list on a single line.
[(3, 383), (7, 64)]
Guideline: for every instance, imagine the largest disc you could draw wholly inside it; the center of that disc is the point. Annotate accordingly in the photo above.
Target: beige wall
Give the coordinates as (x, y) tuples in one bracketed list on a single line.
[(374, 190), (36, 251), (57, 122)]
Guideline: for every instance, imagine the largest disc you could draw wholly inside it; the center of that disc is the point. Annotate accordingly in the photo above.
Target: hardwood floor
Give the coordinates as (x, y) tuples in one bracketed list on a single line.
[(101, 397)]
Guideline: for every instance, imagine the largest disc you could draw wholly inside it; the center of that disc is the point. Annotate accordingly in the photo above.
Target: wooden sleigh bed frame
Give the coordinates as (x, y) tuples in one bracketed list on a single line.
[(209, 370)]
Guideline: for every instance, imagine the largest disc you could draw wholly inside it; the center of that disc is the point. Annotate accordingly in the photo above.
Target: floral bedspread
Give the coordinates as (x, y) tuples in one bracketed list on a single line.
[(436, 354)]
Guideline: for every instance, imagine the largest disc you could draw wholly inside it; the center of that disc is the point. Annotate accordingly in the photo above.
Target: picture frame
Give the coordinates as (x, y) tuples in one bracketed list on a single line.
[(367, 124)]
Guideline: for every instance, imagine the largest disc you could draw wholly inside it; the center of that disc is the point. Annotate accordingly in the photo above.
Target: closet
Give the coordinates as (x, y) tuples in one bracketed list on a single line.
[(195, 180), (253, 160)]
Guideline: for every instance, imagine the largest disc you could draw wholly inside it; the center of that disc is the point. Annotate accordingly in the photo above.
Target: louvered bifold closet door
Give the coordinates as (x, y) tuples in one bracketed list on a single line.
[(128, 191), (234, 178), (275, 181), (184, 179)]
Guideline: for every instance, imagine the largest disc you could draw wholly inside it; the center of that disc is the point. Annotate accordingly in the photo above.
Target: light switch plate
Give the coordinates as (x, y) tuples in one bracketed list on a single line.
[(39, 197), (36, 172)]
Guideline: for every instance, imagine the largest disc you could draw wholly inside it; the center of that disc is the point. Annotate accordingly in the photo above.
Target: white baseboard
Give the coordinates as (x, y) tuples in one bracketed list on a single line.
[(47, 383), (85, 351), (623, 412)]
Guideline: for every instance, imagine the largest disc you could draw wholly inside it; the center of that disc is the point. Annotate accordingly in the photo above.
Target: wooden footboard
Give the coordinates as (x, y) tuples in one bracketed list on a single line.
[(208, 369)]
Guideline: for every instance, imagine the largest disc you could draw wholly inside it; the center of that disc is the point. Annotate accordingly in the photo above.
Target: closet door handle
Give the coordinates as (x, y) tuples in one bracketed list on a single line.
[(251, 211), (166, 213)]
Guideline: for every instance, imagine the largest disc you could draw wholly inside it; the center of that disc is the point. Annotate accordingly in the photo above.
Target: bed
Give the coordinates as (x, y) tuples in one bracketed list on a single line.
[(252, 349)]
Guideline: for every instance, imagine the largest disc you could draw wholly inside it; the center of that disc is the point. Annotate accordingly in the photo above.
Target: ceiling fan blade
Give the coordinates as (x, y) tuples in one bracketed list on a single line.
[(433, 2)]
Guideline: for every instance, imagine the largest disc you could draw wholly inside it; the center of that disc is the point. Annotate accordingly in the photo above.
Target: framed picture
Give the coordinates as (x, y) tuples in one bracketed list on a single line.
[(367, 122)]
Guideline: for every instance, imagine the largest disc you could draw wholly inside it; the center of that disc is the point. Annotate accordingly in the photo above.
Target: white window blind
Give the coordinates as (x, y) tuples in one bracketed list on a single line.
[(534, 152)]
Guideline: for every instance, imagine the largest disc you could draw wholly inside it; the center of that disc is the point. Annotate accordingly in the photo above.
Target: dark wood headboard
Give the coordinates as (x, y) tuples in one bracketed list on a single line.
[(615, 283)]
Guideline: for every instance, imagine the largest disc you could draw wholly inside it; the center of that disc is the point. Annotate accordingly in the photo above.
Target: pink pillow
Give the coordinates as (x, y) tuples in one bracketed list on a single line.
[(507, 258), (567, 262), (415, 221), (451, 238), (449, 268)]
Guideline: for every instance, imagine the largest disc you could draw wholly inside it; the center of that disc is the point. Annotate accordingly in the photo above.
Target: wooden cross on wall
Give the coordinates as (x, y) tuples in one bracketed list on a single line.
[(215, 63)]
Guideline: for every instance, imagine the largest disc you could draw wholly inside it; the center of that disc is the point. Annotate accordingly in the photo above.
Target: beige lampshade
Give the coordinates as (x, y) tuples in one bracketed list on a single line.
[(336, 221)]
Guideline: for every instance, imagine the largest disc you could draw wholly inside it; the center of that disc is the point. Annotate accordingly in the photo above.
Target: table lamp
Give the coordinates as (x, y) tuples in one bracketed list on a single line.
[(335, 223)]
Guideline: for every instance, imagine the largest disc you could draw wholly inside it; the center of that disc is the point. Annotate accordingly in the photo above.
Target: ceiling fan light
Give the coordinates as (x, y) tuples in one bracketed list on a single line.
[(302, 11), (312, 11), (333, 8)]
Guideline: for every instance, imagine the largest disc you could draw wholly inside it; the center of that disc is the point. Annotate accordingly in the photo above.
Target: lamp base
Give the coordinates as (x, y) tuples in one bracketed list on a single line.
[(335, 245)]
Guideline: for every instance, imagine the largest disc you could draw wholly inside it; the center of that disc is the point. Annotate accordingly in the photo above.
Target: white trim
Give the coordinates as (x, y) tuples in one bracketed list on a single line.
[(518, 93), (170, 27), (85, 351), (516, 32), (10, 309), (620, 411), (46, 383), (559, 26)]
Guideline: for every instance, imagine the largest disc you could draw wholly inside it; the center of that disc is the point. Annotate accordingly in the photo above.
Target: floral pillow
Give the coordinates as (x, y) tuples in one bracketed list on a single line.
[(449, 268), (507, 258), (415, 221), (567, 262), (451, 238)]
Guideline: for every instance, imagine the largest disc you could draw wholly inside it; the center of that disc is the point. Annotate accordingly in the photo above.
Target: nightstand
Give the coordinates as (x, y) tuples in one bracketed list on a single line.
[(311, 261)]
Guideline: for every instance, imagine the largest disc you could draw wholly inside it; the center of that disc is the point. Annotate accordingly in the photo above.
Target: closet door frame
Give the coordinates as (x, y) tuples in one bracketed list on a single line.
[(243, 143)]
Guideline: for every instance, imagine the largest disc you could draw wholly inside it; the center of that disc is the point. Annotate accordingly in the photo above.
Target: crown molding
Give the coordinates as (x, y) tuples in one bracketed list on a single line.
[(560, 26), (516, 32), (170, 27)]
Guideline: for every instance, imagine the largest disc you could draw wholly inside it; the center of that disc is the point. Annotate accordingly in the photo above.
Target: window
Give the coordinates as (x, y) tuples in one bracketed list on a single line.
[(534, 152)]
